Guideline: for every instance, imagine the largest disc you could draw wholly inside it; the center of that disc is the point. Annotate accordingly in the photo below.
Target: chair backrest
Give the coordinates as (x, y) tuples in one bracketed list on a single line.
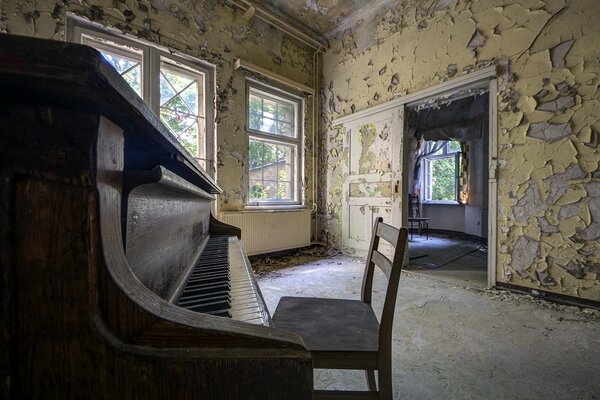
[(414, 208), (391, 268)]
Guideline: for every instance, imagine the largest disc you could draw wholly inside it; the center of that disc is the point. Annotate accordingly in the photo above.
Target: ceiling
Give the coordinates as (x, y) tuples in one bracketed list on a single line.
[(325, 17)]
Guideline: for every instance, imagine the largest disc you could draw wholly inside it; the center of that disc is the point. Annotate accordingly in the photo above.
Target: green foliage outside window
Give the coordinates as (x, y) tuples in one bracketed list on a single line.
[(443, 179)]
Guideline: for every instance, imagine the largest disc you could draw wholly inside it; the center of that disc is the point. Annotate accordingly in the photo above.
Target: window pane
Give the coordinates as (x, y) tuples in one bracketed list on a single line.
[(270, 170), (440, 151), (271, 114), (443, 179), (180, 107), (285, 113), (127, 61), (177, 80), (166, 90), (453, 146)]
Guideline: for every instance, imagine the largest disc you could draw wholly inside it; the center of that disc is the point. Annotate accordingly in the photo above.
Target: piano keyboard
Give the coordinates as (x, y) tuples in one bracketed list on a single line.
[(222, 284)]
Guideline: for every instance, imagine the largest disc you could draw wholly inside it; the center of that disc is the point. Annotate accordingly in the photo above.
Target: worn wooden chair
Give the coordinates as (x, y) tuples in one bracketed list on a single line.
[(345, 334)]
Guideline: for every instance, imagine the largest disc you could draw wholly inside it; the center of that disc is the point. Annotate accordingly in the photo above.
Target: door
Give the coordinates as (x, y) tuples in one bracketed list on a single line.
[(373, 185)]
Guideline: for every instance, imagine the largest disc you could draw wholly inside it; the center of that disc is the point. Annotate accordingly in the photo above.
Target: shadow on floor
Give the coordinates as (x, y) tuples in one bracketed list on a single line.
[(450, 258)]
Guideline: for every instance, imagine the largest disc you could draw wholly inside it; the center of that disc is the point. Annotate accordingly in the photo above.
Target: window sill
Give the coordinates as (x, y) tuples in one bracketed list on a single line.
[(442, 203), (272, 207)]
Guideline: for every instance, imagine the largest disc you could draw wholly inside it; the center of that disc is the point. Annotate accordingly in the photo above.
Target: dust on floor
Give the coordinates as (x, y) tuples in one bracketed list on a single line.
[(457, 342)]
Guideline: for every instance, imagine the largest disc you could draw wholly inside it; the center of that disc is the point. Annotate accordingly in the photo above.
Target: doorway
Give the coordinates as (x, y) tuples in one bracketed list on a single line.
[(466, 234), (377, 170), (448, 149)]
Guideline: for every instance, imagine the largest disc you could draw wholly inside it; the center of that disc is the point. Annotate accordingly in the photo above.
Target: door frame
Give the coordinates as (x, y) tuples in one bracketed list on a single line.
[(485, 77)]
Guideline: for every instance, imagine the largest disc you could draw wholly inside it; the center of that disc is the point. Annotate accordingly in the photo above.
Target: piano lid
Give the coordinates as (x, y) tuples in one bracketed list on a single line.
[(64, 74)]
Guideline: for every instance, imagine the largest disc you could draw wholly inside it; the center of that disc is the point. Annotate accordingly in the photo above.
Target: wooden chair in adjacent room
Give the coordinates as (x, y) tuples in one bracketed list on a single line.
[(345, 334)]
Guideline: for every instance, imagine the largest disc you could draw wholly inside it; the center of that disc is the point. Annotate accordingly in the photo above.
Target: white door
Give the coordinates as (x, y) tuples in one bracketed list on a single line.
[(373, 186)]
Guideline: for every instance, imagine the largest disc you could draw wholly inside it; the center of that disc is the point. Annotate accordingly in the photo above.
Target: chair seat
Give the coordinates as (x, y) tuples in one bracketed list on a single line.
[(334, 330)]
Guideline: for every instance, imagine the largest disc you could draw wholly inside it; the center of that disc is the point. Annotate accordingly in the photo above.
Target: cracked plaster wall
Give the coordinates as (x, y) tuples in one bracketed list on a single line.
[(206, 29), (547, 56)]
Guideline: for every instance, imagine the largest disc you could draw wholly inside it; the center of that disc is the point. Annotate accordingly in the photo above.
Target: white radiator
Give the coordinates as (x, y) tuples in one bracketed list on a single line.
[(268, 231)]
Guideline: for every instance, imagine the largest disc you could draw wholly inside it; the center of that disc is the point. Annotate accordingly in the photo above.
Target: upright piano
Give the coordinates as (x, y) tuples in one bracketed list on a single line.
[(117, 281)]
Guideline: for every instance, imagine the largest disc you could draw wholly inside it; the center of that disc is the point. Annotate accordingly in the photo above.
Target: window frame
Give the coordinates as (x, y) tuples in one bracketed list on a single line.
[(296, 142), (426, 183), (152, 56)]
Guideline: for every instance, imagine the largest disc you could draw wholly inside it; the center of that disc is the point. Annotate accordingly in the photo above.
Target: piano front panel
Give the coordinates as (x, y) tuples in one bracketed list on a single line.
[(164, 229)]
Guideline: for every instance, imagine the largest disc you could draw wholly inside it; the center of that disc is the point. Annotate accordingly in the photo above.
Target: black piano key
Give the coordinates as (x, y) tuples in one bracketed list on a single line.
[(208, 289)]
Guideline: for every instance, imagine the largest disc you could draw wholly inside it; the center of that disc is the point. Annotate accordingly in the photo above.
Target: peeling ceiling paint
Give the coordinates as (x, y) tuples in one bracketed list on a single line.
[(327, 16)]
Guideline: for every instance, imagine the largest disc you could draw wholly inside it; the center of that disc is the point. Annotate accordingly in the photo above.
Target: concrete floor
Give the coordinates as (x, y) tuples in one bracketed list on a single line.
[(456, 343), (449, 258)]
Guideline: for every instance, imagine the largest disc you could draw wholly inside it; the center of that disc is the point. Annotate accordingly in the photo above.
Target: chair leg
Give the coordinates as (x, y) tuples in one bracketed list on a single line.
[(371, 380), (385, 380)]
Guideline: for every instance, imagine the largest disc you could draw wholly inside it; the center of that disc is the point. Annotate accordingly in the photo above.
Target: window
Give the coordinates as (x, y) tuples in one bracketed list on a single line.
[(176, 87), (442, 166), (274, 146)]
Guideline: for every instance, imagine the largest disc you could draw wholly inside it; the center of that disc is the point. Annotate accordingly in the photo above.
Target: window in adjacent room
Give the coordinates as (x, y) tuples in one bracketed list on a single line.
[(441, 171), (274, 146), (177, 88)]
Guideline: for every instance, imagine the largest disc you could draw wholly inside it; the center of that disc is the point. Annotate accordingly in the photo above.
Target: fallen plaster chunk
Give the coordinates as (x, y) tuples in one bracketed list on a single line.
[(549, 132), (529, 204), (524, 254), (561, 104), (559, 52), (546, 227), (558, 182)]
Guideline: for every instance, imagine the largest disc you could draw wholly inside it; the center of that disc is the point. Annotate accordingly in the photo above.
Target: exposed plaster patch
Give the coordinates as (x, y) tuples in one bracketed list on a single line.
[(549, 132), (546, 227), (570, 210), (545, 279), (523, 255), (561, 104), (477, 41), (559, 52), (574, 269), (558, 183), (592, 232), (529, 204), (370, 189)]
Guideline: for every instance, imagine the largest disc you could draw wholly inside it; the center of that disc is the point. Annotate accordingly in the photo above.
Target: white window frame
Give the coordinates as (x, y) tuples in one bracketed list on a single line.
[(152, 55), (426, 183), (297, 143)]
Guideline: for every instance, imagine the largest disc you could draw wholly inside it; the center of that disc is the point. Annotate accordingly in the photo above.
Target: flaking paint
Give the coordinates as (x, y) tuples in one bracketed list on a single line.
[(547, 57), (210, 30)]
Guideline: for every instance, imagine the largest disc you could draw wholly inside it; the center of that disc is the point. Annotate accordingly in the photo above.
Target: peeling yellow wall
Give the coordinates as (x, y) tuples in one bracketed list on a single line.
[(208, 30), (547, 56)]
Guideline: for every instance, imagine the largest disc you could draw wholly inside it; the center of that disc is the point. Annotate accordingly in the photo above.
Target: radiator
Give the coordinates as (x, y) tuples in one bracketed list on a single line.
[(268, 231)]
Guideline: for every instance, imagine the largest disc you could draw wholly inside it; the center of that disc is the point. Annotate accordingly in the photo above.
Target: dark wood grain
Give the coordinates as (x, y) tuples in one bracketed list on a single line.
[(345, 334), (76, 319)]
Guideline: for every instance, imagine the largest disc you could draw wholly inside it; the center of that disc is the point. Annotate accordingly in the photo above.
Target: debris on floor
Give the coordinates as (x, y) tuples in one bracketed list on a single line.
[(268, 263)]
